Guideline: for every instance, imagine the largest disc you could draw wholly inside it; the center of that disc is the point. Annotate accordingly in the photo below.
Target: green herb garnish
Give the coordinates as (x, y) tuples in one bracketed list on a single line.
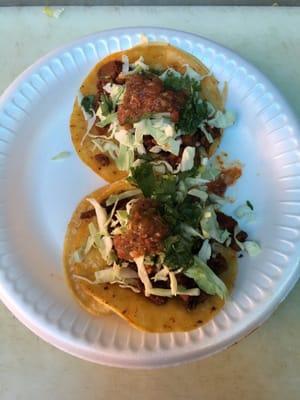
[(250, 205), (159, 187), (178, 252), (87, 103), (195, 109), (106, 105)]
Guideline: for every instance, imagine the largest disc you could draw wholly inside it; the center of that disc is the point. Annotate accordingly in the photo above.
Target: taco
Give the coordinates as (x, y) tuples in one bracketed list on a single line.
[(153, 101), (158, 251)]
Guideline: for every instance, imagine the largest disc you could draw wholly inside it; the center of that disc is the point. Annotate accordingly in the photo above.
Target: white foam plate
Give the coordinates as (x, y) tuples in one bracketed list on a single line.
[(38, 196)]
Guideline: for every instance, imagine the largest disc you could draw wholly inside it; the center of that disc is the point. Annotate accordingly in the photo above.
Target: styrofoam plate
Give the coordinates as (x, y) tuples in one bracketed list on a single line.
[(38, 196)]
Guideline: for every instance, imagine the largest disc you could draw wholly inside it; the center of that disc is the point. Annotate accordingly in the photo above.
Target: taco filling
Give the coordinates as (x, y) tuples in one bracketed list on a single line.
[(164, 238), (147, 110), (155, 114)]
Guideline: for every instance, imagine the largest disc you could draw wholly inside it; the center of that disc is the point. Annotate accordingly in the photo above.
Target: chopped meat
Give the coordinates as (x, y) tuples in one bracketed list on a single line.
[(171, 158), (158, 300), (185, 281), (241, 237), (217, 187), (120, 79), (190, 140), (146, 95), (215, 132), (108, 73), (218, 264), (88, 214), (226, 222), (133, 266), (92, 213), (99, 131), (227, 177), (150, 269), (230, 223), (231, 175), (148, 142), (145, 232), (102, 159), (190, 302), (199, 137)]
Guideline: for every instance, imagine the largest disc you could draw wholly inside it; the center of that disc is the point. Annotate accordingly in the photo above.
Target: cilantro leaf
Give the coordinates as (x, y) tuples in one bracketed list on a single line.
[(106, 105), (175, 81), (165, 187), (143, 176), (190, 212), (178, 252), (193, 113), (159, 187), (87, 103), (195, 110), (250, 205)]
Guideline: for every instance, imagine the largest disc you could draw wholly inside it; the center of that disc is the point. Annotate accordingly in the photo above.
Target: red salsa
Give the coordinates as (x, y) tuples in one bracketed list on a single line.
[(145, 94), (145, 232)]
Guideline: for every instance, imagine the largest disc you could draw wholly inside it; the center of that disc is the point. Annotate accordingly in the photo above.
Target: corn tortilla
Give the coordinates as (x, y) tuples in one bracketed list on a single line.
[(157, 56), (133, 307)]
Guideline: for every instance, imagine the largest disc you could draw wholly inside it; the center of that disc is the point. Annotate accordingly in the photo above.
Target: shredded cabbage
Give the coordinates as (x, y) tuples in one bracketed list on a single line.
[(187, 160), (125, 66), (206, 279), (125, 158), (190, 231), (116, 93), (222, 119), (78, 255), (210, 172), (192, 74), (135, 68), (143, 275), (210, 227), (201, 194), (252, 248), (123, 195), (162, 130), (115, 273), (244, 211), (139, 66), (163, 167), (207, 134), (205, 251), (106, 120), (62, 155), (170, 71), (101, 215), (122, 217), (90, 119), (105, 146), (161, 275), (123, 276), (173, 283), (217, 199)]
